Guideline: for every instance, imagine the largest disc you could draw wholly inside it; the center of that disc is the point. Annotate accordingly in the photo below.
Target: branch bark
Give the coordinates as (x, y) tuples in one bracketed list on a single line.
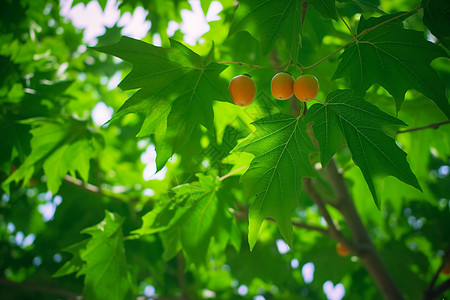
[(41, 289), (366, 250)]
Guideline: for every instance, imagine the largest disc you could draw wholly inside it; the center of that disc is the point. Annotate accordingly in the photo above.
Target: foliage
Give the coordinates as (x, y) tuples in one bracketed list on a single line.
[(366, 165)]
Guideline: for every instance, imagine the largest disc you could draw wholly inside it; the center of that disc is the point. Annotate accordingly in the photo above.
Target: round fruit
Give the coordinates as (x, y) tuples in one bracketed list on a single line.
[(282, 86), (306, 88), (242, 89), (341, 250)]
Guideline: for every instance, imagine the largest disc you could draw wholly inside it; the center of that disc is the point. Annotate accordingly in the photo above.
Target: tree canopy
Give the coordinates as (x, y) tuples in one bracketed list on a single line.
[(182, 194)]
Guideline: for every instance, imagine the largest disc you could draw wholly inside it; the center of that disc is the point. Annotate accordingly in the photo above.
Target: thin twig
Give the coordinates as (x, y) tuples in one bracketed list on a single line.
[(332, 229), (348, 27), (40, 288), (430, 291), (94, 189), (249, 65), (317, 199), (366, 31), (433, 126), (355, 38), (305, 226), (180, 275), (310, 227)]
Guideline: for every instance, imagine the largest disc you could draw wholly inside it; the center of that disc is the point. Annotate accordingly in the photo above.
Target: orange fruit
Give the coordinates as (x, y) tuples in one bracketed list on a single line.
[(282, 86), (341, 250), (242, 89), (306, 87)]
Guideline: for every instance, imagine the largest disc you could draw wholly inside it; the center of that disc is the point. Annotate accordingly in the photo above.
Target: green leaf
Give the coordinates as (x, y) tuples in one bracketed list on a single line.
[(436, 16), (396, 58), (201, 222), (281, 148), (269, 21), (62, 147), (105, 269), (195, 216), (360, 122), (177, 87)]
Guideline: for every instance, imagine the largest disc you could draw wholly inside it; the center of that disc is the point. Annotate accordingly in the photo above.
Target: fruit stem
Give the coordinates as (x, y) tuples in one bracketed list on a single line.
[(252, 66)]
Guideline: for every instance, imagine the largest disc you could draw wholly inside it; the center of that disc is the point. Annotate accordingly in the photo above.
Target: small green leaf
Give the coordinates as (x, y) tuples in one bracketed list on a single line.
[(375, 153), (396, 58), (281, 148), (105, 269)]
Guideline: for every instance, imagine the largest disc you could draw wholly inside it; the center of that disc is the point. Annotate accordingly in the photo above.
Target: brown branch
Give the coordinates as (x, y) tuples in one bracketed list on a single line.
[(180, 275), (430, 292), (305, 5), (348, 27), (242, 214), (366, 31), (305, 226), (332, 229), (367, 251), (311, 227), (42, 289), (433, 126), (439, 290), (94, 189), (249, 65)]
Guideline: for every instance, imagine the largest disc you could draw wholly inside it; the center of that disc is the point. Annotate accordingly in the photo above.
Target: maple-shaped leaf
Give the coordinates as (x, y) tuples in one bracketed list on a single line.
[(194, 217), (436, 16), (60, 146), (105, 266), (269, 21), (176, 90), (281, 148), (396, 58), (360, 123)]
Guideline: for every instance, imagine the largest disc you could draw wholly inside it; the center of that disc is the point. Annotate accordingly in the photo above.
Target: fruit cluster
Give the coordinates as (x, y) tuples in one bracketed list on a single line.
[(283, 86)]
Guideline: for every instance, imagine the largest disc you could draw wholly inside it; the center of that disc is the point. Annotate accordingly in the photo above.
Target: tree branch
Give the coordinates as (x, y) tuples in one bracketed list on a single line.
[(332, 229), (366, 250), (180, 275), (94, 189), (311, 227), (239, 63), (432, 292), (305, 226), (433, 126), (40, 288)]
